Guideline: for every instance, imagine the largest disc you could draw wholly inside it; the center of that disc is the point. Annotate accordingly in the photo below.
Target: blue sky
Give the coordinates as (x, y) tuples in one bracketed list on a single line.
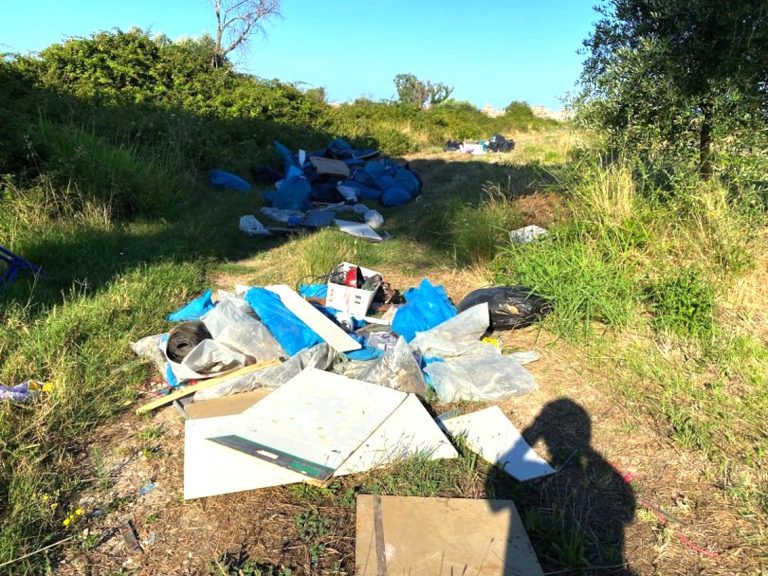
[(491, 51)]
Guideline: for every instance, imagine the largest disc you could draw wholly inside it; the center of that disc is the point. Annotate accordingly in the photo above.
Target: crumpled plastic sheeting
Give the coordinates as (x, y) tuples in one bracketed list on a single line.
[(149, 349), (485, 376), (232, 324), (426, 307), (396, 368), (321, 356), (287, 328), (471, 370), (207, 359), (456, 336)]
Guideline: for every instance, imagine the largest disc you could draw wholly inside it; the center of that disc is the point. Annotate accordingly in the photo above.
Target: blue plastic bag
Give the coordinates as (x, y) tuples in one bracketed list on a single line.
[(291, 333), (395, 196), (425, 307), (194, 309), (294, 192), (226, 181), (409, 181)]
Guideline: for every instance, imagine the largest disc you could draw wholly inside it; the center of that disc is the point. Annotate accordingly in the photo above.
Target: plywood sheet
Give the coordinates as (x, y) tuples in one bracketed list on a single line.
[(490, 433), (337, 338), (211, 469), (441, 537), (226, 405)]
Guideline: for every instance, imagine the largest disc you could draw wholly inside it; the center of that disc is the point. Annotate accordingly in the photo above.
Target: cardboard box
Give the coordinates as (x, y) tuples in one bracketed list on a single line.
[(353, 301)]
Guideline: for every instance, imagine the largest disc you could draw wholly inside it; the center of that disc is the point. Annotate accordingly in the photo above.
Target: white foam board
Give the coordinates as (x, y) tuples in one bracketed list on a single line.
[(337, 338), (358, 229), (490, 433)]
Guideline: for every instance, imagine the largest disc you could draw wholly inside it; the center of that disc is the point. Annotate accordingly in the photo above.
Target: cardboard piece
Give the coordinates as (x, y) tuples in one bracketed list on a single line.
[(211, 469), (490, 433), (337, 338), (441, 537), (359, 230), (329, 166), (226, 405), (204, 384)]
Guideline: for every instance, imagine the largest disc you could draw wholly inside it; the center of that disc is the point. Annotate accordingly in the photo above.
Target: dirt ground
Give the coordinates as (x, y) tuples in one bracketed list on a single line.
[(573, 411)]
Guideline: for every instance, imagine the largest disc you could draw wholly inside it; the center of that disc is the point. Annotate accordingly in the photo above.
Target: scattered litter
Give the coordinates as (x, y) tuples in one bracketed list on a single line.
[(526, 234), (359, 230), (397, 368), (382, 340), (373, 219), (14, 265), (148, 348), (128, 532), (329, 166), (490, 433), (226, 181), (147, 488), (251, 226), (411, 535), (496, 143), (21, 392), (352, 288), (510, 306)]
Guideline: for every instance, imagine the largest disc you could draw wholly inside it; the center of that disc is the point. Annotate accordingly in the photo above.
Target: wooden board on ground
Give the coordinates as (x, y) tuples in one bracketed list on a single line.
[(226, 405), (329, 166), (441, 536), (211, 469), (490, 433), (337, 338), (204, 384)]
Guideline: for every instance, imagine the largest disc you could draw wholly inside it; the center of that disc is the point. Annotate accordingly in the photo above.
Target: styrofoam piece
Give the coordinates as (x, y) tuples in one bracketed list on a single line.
[(211, 469), (359, 230), (312, 317), (490, 433)]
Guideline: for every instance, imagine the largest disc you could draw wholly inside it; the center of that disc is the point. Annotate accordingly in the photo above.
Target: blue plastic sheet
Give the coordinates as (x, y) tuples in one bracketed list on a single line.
[(395, 196), (226, 181), (425, 307), (194, 309), (294, 192), (292, 334), (313, 290)]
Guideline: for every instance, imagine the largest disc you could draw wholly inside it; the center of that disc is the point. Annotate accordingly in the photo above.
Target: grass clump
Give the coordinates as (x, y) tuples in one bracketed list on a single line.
[(683, 303)]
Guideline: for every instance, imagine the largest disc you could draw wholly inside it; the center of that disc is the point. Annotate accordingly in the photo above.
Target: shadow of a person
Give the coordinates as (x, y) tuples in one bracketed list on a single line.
[(575, 517)]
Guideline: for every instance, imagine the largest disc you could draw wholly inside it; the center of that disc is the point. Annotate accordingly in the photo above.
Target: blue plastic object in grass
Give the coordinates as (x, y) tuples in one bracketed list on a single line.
[(425, 307), (227, 181), (14, 265), (194, 309)]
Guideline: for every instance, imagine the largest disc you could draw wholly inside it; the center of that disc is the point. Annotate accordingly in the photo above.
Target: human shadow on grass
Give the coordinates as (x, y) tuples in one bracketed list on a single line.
[(576, 517)]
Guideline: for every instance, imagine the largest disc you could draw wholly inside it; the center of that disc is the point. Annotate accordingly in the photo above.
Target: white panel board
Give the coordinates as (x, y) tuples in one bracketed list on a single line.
[(359, 229), (317, 322), (490, 433)]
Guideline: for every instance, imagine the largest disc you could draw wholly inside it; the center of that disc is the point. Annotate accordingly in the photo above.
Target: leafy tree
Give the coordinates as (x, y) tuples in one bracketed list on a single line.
[(412, 91), (678, 75), (237, 20)]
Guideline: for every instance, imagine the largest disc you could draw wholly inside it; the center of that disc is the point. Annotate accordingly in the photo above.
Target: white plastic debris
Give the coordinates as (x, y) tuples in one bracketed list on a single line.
[(251, 226), (526, 234), (374, 219)]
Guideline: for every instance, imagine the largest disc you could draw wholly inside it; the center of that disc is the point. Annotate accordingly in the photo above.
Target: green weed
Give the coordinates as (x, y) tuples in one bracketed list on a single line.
[(683, 303)]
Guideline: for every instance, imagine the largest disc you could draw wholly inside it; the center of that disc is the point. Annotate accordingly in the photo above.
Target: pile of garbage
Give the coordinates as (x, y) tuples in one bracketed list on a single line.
[(314, 186), (496, 143)]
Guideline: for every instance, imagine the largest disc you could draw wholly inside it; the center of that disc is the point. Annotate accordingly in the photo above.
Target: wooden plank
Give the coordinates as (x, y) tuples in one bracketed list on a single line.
[(337, 338), (226, 405), (203, 385), (490, 433), (441, 536)]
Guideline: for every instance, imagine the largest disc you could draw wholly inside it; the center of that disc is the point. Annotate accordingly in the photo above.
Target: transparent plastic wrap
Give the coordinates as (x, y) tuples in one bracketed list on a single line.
[(456, 336), (149, 349), (209, 358), (486, 376), (232, 324), (396, 368), (321, 356)]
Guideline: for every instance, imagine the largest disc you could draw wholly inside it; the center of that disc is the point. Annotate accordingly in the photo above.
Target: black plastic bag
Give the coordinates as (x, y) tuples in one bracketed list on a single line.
[(452, 146), (509, 306), (497, 143)]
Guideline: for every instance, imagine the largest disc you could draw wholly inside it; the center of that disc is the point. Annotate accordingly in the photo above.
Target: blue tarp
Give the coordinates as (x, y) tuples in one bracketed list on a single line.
[(194, 309), (425, 307), (290, 332)]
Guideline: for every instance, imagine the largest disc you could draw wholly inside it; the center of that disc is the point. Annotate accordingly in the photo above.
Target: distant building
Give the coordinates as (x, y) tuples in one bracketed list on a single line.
[(544, 112), (489, 110)]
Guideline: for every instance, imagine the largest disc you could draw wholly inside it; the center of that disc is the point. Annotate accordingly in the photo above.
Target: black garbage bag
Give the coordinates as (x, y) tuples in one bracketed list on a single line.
[(509, 306), (497, 143), (184, 337), (452, 146)]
